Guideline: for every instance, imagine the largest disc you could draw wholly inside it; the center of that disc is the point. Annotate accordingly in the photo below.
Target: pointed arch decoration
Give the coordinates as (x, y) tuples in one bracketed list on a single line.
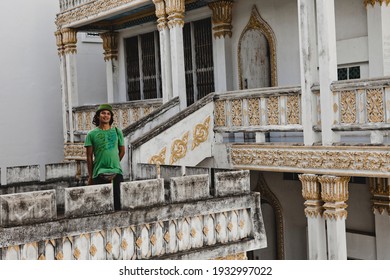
[(270, 197), (256, 22)]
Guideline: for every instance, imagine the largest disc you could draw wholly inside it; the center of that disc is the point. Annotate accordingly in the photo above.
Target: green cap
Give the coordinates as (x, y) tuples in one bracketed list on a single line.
[(104, 107)]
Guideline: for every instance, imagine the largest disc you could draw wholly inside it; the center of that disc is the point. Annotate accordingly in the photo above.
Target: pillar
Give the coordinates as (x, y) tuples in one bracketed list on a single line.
[(380, 190), (61, 55), (378, 22), (165, 50), (334, 192), (308, 67), (110, 46), (311, 192), (222, 30), (175, 10), (327, 57), (69, 39)]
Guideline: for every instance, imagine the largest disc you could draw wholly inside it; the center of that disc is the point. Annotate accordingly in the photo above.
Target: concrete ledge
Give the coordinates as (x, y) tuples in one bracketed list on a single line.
[(146, 171), (61, 170), (232, 183), (142, 193), (27, 208), (187, 188), (89, 200), (20, 174)]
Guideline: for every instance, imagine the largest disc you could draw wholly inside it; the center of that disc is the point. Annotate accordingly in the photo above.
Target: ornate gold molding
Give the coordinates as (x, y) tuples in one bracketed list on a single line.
[(88, 10), (74, 151), (110, 45), (201, 133), (159, 159), (375, 105), (161, 14), (273, 110), (311, 192), (222, 18), (220, 116), (179, 148), (239, 256), (236, 110), (256, 22), (373, 2), (175, 10), (254, 111), (380, 191), (348, 107), (293, 109), (69, 39), (343, 161), (334, 193), (60, 43)]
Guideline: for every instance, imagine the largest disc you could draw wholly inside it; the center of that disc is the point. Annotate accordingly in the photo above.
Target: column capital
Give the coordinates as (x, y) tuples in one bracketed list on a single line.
[(162, 21), (311, 192), (175, 10), (69, 39), (60, 43), (222, 17), (380, 191), (334, 193), (110, 45), (374, 2)]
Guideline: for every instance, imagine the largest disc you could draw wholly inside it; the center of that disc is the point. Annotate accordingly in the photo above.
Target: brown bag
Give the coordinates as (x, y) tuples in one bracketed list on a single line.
[(107, 177)]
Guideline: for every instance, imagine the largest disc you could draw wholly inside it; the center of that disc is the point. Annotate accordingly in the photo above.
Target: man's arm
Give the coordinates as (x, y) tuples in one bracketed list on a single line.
[(121, 152), (90, 164)]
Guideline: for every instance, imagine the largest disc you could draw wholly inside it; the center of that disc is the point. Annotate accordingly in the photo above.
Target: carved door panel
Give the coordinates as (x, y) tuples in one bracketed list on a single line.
[(255, 60)]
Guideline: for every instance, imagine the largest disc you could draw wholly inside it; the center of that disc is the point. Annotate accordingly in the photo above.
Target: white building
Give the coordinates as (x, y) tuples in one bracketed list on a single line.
[(298, 87)]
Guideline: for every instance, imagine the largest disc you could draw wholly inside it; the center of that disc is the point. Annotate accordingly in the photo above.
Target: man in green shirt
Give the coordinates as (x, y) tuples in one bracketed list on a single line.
[(105, 150)]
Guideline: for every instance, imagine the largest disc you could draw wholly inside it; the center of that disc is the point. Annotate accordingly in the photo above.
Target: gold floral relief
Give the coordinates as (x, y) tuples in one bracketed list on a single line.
[(88, 120), (79, 121), (201, 133), (179, 148), (220, 115), (273, 110), (375, 112), (236, 112), (254, 111), (147, 110), (125, 118), (348, 107), (158, 159), (293, 110), (373, 2)]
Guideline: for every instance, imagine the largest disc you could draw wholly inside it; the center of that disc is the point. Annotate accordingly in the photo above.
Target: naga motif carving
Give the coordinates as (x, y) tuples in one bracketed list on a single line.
[(179, 148), (201, 133)]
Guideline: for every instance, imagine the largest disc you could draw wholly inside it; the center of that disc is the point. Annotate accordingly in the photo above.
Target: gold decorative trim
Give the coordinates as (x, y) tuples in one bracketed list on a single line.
[(375, 111), (159, 159), (311, 192), (373, 2), (293, 109), (220, 115), (348, 107), (92, 250), (139, 242), (110, 45), (75, 151), (153, 239), (380, 191), (69, 39), (162, 21), (179, 148), (334, 193), (180, 235), (273, 110), (59, 256), (60, 43), (236, 112), (256, 22), (254, 111), (109, 247), (320, 160), (88, 10), (124, 244), (222, 18), (42, 257), (175, 10), (76, 253), (167, 237), (193, 232), (239, 256), (201, 133), (205, 231)]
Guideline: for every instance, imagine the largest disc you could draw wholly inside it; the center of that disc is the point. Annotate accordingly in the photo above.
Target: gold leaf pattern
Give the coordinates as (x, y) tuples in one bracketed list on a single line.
[(348, 107), (375, 105), (93, 250), (293, 109), (254, 112), (236, 112), (201, 133), (273, 110), (179, 149), (220, 115), (159, 158)]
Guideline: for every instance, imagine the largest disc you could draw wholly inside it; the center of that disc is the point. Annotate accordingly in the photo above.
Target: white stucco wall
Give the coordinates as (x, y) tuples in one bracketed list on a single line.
[(30, 95)]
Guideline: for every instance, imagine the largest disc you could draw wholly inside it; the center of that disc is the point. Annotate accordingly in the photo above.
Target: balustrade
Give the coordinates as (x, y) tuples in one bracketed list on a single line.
[(71, 4)]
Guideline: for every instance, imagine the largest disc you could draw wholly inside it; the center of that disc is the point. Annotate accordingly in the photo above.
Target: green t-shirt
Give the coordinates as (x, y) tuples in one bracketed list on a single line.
[(105, 150)]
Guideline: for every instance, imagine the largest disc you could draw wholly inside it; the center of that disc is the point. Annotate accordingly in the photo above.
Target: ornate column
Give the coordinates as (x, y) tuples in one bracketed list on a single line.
[(308, 64), (110, 46), (69, 39), (311, 192), (175, 10), (380, 191), (378, 22), (327, 52), (61, 55), (334, 192), (165, 50), (222, 27)]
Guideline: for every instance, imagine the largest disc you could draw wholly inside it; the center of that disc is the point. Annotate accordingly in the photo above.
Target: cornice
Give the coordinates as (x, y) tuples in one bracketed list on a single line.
[(339, 161)]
